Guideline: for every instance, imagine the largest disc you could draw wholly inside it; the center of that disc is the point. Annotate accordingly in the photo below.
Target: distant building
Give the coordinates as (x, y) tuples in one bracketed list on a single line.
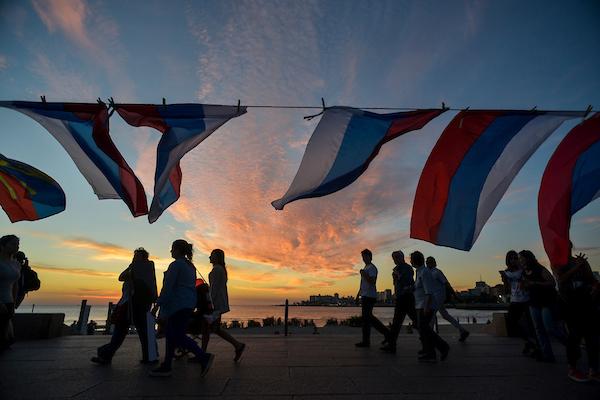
[(497, 292), (327, 299), (385, 296), (480, 288)]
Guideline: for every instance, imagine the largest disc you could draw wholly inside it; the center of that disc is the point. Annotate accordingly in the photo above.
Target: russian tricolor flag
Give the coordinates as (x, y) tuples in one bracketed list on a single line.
[(343, 145), (570, 182), (470, 168), (28, 194), (183, 127), (83, 130)]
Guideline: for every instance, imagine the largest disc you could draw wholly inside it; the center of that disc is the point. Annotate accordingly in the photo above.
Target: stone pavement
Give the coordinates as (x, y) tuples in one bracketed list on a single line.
[(325, 366)]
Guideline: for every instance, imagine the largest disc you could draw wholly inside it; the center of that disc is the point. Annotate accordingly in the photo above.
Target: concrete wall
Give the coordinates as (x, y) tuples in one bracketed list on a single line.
[(38, 326)]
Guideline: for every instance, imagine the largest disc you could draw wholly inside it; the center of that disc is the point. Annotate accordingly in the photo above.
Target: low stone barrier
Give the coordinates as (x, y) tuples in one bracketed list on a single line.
[(38, 326)]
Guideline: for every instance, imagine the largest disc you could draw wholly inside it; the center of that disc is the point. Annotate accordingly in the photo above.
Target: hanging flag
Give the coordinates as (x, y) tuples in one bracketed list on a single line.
[(82, 129), (570, 182), (343, 145), (26, 193), (469, 169), (184, 126)]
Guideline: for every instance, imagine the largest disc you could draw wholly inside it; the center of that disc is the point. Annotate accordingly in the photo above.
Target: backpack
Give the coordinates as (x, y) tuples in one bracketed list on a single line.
[(31, 281), (204, 302)]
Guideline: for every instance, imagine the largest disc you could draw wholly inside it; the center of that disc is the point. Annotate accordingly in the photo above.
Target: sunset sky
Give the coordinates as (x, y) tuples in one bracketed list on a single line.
[(482, 54)]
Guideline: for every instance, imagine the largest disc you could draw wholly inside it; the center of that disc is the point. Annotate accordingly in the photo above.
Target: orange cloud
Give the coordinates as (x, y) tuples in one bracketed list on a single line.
[(106, 251), (74, 271), (230, 179), (66, 15)]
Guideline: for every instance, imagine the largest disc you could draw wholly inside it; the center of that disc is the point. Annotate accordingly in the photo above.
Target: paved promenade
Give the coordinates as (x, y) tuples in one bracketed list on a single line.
[(302, 366)]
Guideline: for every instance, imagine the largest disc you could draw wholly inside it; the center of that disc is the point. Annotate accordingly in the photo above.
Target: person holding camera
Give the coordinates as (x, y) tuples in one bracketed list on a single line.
[(28, 281), (10, 272), (518, 319)]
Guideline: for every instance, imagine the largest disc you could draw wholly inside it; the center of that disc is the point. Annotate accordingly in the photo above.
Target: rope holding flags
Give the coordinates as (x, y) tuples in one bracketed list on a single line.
[(571, 181), (83, 130), (28, 194), (467, 173)]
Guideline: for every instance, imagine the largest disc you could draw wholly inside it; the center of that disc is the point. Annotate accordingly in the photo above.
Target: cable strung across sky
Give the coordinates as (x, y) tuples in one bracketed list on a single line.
[(466, 175)]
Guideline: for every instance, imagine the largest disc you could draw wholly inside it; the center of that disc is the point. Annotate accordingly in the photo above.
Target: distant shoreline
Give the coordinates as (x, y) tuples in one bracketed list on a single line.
[(465, 306)]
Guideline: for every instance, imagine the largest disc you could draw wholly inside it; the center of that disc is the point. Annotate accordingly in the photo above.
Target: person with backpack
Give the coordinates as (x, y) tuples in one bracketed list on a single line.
[(217, 279), (445, 293), (139, 293), (176, 302), (28, 281), (10, 272)]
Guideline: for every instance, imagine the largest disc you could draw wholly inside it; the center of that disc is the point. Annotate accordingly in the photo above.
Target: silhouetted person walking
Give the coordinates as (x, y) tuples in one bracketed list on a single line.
[(444, 291), (368, 297), (139, 292), (404, 285), (220, 299), (177, 301), (426, 306)]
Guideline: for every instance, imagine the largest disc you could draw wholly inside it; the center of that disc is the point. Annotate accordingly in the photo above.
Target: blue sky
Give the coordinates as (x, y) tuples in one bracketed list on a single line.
[(482, 54)]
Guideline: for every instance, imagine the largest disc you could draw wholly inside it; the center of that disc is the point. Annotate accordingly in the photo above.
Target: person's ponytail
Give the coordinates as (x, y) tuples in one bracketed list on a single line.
[(185, 248), (189, 251)]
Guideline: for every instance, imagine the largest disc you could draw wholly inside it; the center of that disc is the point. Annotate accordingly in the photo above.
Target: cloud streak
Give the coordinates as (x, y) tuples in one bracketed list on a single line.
[(103, 251), (74, 271)]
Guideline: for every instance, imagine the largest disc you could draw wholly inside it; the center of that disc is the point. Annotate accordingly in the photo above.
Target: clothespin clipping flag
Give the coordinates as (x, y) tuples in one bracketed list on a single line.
[(83, 130), (26, 193), (343, 145), (570, 182), (183, 127), (470, 168)]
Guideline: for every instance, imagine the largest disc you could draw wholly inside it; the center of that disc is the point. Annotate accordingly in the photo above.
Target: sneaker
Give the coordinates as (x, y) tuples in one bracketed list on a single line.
[(149, 362), (239, 351), (362, 344), (428, 358), (195, 360), (528, 348), (160, 371), (99, 360), (206, 366), (444, 354), (577, 376), (463, 336), (594, 376)]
